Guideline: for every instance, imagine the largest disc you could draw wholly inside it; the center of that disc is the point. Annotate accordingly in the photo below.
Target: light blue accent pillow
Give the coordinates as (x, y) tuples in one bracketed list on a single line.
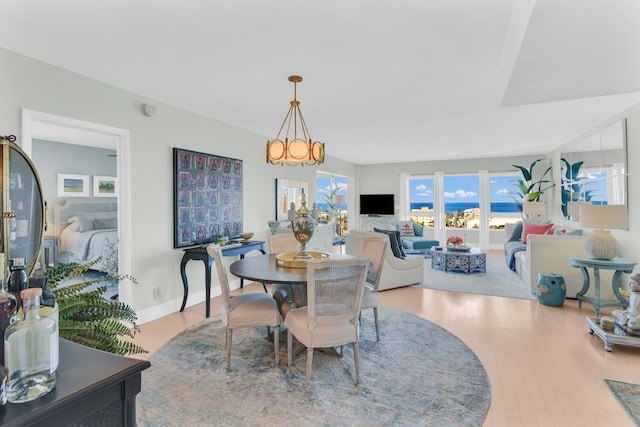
[(418, 229)]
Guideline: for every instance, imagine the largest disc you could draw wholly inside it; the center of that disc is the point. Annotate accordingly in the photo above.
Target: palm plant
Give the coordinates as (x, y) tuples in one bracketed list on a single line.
[(527, 191), (86, 317)]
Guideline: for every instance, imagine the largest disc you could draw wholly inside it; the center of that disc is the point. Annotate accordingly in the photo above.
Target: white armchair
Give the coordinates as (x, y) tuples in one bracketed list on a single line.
[(396, 272)]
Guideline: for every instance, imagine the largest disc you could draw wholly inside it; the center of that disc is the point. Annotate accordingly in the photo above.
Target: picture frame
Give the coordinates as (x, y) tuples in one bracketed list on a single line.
[(104, 186), (207, 197), (288, 191), (71, 185)]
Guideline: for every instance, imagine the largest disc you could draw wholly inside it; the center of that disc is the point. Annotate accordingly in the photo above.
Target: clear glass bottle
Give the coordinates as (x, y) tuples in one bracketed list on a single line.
[(31, 352), (8, 302)]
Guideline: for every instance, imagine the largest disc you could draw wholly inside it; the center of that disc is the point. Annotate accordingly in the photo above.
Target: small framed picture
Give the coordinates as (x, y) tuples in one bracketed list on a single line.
[(73, 185), (104, 186)]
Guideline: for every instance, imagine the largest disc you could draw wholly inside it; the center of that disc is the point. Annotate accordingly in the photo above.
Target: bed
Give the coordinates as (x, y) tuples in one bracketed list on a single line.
[(87, 230)]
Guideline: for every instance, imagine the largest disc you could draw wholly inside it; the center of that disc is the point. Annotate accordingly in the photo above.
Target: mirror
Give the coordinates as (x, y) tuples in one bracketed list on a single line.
[(22, 233), (288, 191), (594, 169)]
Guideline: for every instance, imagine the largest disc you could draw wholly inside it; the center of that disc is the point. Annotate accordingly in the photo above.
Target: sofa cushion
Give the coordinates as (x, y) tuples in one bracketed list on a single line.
[(516, 235), (418, 229), (406, 228), (529, 228), (394, 240)]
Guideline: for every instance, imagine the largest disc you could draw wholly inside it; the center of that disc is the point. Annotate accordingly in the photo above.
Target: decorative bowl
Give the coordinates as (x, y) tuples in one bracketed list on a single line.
[(246, 236)]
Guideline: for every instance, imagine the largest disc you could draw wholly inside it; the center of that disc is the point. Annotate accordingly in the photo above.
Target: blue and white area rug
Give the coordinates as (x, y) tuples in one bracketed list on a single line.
[(418, 374)]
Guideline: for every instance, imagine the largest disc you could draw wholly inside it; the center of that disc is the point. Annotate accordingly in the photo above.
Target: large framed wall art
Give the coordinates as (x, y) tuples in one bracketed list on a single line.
[(207, 197)]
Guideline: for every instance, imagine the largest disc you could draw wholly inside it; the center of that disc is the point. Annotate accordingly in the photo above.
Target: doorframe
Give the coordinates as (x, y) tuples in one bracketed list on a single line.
[(100, 136)]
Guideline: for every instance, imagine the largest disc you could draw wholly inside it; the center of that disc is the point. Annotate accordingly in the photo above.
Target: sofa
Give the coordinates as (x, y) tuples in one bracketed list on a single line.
[(547, 253), (396, 272)]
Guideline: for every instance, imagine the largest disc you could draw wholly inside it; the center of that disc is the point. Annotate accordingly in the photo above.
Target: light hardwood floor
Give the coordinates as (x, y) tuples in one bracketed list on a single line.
[(545, 368)]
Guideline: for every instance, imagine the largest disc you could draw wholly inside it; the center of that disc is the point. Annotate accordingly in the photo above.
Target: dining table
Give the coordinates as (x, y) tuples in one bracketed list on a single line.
[(264, 269)]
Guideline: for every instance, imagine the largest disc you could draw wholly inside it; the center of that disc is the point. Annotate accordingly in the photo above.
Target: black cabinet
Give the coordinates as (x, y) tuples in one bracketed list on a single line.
[(94, 388)]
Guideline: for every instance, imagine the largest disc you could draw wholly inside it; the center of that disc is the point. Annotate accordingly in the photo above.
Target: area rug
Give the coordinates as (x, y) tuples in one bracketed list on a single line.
[(498, 280), (629, 397), (418, 374)]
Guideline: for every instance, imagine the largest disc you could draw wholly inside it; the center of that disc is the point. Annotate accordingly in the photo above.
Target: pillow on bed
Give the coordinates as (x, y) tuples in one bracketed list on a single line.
[(105, 224), (85, 220)]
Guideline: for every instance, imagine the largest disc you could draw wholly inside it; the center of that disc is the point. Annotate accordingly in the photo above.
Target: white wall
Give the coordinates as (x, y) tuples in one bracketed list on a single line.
[(30, 84)]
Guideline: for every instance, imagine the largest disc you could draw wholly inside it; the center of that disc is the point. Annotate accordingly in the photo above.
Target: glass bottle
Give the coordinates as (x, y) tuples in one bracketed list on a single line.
[(31, 352), (8, 303), (18, 279)]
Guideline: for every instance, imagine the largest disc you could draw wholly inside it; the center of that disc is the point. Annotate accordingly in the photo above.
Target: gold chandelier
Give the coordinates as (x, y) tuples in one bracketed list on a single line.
[(297, 151)]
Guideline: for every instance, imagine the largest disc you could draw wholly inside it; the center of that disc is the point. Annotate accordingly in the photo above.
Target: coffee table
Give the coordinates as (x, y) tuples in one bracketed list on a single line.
[(449, 260)]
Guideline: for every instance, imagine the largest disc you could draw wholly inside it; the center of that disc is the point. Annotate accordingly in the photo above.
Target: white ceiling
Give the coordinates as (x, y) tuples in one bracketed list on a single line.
[(384, 81)]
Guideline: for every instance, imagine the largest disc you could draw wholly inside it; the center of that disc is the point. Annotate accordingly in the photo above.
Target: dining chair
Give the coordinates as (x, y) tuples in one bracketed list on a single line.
[(245, 310), (374, 249), (334, 292), (283, 294)]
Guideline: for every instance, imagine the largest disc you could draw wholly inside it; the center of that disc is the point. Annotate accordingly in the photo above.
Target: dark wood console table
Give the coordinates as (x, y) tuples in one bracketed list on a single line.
[(93, 388), (199, 253)]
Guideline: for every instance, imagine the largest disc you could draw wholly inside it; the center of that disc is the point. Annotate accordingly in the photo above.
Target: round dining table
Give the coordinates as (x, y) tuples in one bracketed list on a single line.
[(263, 269)]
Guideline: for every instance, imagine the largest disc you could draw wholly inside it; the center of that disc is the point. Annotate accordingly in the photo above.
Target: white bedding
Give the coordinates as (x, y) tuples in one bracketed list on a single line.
[(85, 246)]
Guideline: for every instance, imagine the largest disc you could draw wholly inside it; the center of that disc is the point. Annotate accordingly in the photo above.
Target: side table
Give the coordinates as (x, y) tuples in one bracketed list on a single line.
[(199, 253), (619, 265)]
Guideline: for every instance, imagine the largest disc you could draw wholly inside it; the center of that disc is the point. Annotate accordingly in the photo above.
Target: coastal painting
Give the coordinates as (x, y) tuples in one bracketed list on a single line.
[(70, 185), (104, 186)]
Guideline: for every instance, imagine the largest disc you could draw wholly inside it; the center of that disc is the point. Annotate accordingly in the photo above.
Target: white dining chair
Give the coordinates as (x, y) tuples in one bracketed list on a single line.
[(245, 310), (374, 250), (334, 292)]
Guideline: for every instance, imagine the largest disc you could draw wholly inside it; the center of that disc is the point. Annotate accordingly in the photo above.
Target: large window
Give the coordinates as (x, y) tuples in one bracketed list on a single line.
[(503, 206), (331, 196), (421, 201), (461, 201)]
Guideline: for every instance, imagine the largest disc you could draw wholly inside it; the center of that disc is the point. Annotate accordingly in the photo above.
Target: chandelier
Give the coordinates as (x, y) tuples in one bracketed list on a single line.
[(299, 150)]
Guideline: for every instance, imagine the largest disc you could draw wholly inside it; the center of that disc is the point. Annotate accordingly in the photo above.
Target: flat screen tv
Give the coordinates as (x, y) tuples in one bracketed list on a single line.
[(376, 204)]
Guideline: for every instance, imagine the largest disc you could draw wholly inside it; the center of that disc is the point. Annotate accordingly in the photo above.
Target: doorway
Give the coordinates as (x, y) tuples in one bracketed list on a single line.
[(49, 127)]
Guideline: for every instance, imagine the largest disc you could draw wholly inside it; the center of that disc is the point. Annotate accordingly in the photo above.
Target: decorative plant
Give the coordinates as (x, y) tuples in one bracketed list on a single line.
[(573, 189), (528, 189), (455, 240), (86, 317)]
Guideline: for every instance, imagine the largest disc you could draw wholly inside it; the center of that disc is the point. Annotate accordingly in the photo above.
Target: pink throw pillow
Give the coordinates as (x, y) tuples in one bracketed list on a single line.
[(528, 228)]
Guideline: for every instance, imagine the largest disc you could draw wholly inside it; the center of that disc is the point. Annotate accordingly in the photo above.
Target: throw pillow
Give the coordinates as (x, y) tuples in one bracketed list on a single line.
[(516, 235), (418, 229), (406, 228), (394, 241), (528, 228), (565, 232)]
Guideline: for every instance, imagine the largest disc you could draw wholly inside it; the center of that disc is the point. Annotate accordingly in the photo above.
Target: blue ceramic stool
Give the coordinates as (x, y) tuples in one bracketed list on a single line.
[(551, 289)]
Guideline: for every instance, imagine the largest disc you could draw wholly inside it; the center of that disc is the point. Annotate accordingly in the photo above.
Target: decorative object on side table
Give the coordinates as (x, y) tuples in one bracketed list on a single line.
[(602, 218), (629, 319), (246, 236), (455, 241), (551, 289)]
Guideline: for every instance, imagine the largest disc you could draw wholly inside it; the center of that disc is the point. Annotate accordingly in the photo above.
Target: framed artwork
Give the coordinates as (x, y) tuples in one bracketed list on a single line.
[(207, 197), (104, 186), (288, 192), (73, 185)]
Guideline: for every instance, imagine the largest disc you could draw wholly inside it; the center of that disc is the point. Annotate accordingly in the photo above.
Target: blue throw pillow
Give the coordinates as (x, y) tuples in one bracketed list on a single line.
[(418, 229), (517, 233), (394, 240)]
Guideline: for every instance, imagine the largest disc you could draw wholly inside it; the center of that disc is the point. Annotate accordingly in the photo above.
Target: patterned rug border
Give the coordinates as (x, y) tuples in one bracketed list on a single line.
[(631, 406), (446, 383)]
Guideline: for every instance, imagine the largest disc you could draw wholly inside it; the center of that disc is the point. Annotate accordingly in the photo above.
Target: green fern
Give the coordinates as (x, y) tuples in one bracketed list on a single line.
[(85, 317)]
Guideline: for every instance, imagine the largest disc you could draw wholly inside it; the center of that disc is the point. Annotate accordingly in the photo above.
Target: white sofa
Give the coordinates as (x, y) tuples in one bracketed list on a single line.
[(396, 272), (548, 254)]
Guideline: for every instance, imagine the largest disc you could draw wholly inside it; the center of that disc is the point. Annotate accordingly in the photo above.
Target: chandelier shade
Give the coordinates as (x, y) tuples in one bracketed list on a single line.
[(301, 149)]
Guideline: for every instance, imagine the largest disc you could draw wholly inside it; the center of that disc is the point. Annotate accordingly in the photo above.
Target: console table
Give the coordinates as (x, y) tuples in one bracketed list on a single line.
[(93, 388), (619, 265), (199, 253)]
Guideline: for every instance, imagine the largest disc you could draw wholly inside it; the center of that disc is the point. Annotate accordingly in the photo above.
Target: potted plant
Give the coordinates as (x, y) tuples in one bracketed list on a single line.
[(528, 189), (85, 316)]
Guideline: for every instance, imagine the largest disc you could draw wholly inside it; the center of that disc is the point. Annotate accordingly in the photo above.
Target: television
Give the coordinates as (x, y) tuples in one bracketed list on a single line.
[(376, 204)]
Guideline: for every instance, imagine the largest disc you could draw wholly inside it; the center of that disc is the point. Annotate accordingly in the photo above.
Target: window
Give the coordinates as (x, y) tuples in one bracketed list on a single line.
[(421, 200), (462, 201), (503, 207)]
